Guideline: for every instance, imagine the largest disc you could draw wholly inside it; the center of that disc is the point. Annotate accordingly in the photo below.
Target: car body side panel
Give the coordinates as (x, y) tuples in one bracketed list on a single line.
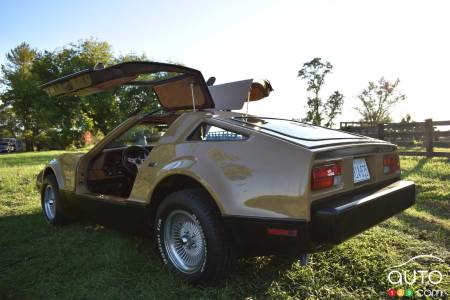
[(262, 176), (247, 183), (63, 167), (68, 164), (241, 181)]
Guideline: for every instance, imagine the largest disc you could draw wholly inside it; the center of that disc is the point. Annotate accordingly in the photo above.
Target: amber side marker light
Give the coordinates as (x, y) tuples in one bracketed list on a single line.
[(391, 164), (282, 232), (325, 176)]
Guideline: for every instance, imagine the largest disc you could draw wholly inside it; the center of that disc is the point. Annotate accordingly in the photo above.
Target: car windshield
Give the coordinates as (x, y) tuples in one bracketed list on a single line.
[(295, 129)]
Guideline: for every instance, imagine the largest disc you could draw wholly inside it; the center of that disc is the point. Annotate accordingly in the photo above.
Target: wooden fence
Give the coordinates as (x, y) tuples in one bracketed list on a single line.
[(426, 134)]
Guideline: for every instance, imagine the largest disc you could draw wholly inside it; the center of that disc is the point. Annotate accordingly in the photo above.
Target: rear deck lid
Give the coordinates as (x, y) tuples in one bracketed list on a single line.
[(306, 135), (180, 88)]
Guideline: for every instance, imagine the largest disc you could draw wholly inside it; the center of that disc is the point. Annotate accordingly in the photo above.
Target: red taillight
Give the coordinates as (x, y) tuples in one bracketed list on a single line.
[(391, 164), (325, 176)]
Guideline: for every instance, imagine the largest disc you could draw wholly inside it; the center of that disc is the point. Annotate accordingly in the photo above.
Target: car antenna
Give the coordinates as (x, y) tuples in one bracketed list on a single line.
[(191, 84)]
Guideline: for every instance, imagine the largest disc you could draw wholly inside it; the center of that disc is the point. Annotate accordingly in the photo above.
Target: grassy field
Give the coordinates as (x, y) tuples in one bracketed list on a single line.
[(422, 149), (91, 262)]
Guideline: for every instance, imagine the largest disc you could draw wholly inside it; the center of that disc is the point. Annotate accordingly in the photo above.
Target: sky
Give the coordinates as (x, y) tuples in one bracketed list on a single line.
[(235, 40)]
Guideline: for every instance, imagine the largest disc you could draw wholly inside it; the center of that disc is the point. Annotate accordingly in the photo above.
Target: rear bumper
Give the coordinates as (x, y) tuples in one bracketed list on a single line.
[(250, 236), (340, 218), (332, 221)]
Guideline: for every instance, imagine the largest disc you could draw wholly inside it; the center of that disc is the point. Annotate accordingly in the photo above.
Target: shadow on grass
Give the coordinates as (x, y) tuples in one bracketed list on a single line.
[(437, 208), (424, 229), (253, 276), (90, 261), (420, 164)]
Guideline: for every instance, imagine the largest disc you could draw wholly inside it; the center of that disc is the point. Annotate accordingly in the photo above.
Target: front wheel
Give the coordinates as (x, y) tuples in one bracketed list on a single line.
[(191, 238), (51, 202)]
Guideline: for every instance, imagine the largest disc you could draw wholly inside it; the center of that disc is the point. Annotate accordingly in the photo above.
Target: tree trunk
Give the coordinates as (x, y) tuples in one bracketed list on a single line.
[(29, 144), (35, 133)]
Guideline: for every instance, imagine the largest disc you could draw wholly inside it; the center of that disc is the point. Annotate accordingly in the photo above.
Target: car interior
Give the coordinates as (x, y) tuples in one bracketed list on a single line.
[(114, 170)]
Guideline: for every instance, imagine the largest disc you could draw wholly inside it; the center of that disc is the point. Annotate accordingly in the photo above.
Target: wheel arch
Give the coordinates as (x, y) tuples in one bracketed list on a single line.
[(53, 169), (48, 171), (177, 182)]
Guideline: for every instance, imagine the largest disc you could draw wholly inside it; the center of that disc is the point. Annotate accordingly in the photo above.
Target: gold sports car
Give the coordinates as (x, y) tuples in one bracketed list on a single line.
[(213, 184)]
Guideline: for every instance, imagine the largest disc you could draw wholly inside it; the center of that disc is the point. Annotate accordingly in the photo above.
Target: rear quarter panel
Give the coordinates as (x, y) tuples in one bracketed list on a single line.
[(258, 177)]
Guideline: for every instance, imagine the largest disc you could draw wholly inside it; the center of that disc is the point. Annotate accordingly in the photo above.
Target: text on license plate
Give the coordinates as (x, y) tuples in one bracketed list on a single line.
[(360, 170)]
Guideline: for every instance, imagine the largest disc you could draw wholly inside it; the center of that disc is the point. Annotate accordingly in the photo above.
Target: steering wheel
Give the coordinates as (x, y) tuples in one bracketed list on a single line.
[(133, 157)]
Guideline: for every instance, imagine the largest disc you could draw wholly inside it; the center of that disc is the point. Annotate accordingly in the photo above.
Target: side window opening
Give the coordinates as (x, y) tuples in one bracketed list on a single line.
[(144, 134), (207, 132)]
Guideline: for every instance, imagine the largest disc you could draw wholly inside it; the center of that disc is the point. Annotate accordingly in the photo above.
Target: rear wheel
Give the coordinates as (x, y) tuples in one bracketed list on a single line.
[(191, 238), (51, 201)]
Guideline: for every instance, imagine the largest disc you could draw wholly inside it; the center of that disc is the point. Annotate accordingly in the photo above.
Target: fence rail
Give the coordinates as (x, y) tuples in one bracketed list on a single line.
[(407, 134)]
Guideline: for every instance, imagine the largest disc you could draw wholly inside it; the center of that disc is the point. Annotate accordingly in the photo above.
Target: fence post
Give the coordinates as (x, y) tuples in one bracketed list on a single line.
[(429, 137), (381, 131)]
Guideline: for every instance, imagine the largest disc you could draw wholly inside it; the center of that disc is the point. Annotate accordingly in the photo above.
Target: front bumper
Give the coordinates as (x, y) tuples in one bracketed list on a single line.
[(338, 219), (333, 220)]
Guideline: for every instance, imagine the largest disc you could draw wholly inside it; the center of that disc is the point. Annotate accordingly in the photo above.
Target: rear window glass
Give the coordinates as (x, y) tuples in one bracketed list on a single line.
[(295, 129), (207, 132)]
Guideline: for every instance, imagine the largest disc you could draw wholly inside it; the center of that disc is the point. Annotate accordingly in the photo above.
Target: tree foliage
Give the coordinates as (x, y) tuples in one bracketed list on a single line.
[(407, 119), (315, 72), (28, 112), (377, 100), (20, 95), (8, 122)]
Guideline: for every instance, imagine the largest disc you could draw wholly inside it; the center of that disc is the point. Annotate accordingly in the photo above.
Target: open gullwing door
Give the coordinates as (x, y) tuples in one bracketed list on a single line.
[(233, 95), (176, 87)]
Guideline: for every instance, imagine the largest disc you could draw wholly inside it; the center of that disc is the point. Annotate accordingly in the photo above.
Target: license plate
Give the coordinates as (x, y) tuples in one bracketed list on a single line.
[(360, 170)]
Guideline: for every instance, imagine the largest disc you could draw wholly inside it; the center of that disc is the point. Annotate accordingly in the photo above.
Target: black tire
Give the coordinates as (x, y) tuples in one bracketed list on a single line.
[(58, 218), (218, 254)]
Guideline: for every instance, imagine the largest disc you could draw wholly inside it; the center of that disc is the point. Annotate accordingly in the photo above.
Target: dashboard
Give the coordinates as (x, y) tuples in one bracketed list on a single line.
[(108, 164)]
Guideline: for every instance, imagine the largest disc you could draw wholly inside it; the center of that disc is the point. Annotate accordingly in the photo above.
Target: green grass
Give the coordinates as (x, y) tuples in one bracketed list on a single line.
[(422, 149), (91, 262)]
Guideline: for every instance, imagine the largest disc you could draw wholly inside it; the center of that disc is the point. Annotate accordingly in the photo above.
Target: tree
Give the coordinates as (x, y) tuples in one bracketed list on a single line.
[(407, 119), (74, 115), (314, 72), (28, 112), (38, 115), (9, 126), (21, 87), (378, 99), (61, 118)]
